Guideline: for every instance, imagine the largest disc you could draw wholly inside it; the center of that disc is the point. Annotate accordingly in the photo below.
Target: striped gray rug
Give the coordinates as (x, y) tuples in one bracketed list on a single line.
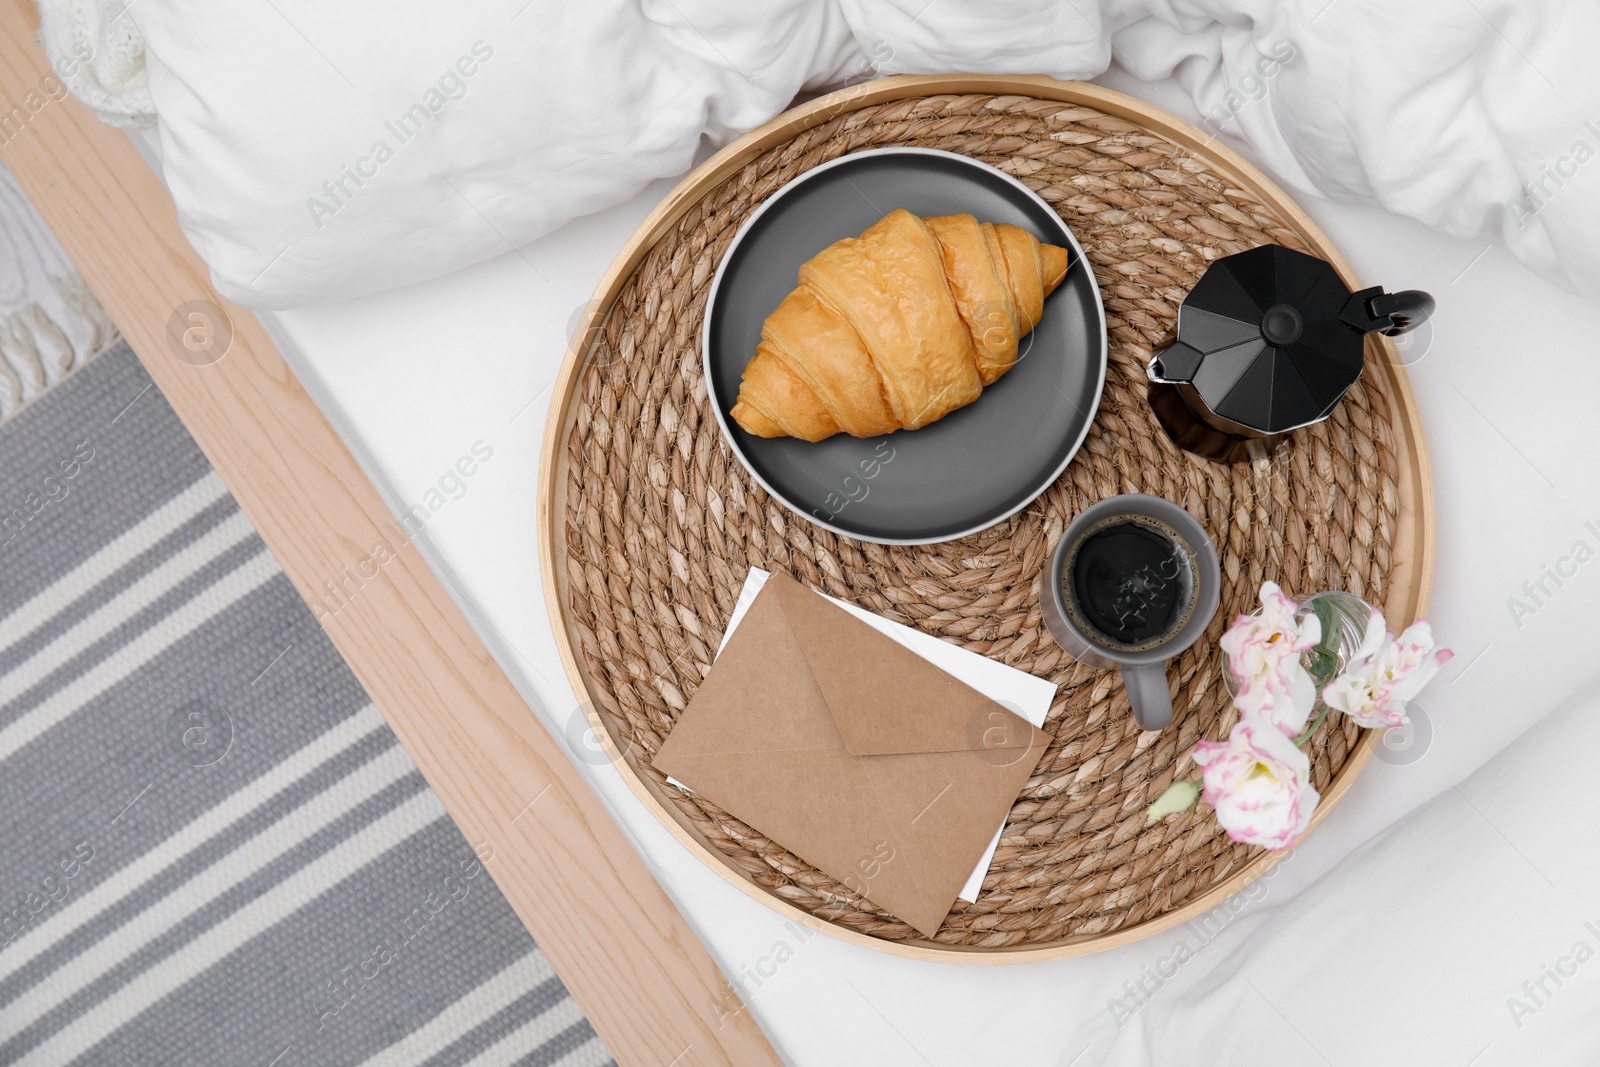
[(212, 848)]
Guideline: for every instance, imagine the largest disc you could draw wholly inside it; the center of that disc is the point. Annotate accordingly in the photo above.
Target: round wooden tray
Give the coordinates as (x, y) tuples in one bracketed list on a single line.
[(648, 523)]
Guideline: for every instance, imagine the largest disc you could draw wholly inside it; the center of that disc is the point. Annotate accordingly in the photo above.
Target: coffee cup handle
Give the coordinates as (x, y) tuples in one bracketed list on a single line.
[(1149, 695)]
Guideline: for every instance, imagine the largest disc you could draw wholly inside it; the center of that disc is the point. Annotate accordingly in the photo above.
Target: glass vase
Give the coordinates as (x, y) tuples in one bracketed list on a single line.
[(1344, 621)]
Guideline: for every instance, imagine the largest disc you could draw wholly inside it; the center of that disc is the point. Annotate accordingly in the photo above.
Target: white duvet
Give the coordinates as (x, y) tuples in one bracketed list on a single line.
[(318, 150), (1466, 934)]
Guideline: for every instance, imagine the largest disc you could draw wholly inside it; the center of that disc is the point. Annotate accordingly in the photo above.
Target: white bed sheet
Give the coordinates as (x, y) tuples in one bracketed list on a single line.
[(1467, 930), (413, 378)]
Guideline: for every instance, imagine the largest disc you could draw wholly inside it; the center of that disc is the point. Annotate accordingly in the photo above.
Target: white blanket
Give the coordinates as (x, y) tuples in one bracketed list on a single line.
[(320, 150), (1468, 933)]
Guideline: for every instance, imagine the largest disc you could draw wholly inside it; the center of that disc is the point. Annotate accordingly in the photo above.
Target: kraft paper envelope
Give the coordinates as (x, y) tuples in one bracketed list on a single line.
[(1018, 691), (852, 752)]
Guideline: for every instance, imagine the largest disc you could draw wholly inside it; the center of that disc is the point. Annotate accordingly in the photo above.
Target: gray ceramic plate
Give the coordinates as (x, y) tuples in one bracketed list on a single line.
[(976, 465)]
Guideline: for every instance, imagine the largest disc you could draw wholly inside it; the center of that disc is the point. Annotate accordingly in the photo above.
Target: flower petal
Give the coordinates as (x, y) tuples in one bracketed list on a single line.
[(1371, 638)]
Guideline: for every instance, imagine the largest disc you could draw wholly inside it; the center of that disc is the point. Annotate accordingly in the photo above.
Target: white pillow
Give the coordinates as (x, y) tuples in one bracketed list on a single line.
[(319, 150)]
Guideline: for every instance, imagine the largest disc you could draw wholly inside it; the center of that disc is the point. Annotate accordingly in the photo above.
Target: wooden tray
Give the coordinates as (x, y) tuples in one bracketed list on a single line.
[(648, 523)]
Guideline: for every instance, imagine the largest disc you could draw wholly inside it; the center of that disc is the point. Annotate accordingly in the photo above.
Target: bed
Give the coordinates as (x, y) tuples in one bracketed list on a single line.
[(413, 378), (1512, 494)]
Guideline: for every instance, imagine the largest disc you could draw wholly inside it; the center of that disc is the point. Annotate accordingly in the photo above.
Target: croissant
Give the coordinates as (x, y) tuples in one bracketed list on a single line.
[(896, 328)]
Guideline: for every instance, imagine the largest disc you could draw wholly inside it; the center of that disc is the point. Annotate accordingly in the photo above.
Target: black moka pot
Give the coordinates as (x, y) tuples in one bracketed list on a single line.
[(1268, 341)]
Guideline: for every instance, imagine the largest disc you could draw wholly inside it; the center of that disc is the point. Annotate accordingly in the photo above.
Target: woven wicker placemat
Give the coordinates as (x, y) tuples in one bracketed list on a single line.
[(661, 523)]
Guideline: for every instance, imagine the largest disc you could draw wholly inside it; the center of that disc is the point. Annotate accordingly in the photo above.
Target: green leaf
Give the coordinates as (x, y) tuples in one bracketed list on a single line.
[(1180, 796)]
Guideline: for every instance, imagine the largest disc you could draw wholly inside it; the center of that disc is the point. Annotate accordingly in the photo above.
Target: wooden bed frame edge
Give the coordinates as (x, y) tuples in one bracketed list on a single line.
[(647, 984)]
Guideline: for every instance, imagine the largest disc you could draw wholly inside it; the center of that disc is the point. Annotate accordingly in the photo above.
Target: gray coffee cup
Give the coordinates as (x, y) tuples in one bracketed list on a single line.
[(1144, 668)]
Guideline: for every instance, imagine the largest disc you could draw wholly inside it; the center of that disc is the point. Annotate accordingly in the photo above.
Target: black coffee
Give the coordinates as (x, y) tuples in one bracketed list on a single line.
[(1128, 582)]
